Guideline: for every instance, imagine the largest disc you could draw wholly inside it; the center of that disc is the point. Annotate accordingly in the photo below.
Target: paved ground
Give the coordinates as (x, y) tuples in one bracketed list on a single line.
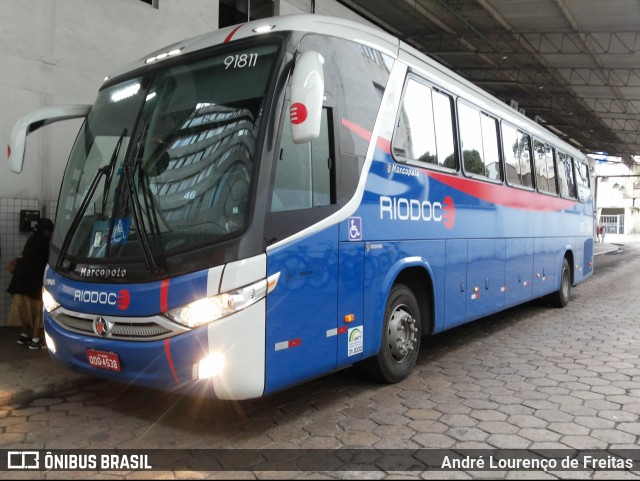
[(532, 377)]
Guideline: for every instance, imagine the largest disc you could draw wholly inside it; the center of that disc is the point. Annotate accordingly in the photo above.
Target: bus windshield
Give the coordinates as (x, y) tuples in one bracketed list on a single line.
[(164, 162)]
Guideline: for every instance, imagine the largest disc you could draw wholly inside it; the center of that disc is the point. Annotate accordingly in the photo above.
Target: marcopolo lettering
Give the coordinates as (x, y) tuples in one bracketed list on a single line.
[(399, 208), (103, 272)]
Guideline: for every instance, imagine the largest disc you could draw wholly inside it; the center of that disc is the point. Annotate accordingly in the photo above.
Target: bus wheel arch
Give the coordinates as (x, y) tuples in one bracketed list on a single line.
[(419, 281), (407, 317)]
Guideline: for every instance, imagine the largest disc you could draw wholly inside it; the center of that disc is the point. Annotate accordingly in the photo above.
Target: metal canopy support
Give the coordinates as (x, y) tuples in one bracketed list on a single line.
[(575, 64)]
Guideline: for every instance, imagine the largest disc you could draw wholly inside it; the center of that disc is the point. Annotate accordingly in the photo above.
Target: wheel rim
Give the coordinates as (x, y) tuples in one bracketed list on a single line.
[(402, 334)]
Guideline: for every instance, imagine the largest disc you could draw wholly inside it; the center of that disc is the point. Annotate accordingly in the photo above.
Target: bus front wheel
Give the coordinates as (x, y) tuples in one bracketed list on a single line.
[(401, 332), (560, 298)]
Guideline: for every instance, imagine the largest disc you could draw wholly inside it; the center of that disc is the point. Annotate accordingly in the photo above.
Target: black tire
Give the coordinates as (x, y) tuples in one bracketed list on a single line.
[(401, 333), (561, 297)]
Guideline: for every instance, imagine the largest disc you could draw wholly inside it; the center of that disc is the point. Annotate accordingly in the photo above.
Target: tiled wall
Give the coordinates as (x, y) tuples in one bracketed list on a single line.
[(12, 240)]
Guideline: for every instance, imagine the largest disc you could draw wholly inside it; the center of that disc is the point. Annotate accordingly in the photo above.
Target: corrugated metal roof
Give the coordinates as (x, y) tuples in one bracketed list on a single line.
[(573, 64)]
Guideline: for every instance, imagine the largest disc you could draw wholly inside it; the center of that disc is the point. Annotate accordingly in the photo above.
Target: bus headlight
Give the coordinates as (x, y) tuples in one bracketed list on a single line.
[(216, 307), (49, 303), (210, 366)]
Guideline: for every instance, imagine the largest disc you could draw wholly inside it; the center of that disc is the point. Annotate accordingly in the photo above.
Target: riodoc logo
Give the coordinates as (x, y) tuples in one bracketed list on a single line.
[(399, 208), (122, 299), (298, 113), (449, 215)]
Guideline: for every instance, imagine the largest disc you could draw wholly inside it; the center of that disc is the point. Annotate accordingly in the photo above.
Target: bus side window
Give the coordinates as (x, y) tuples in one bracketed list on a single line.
[(425, 127), (415, 137), (517, 156), (545, 169), (565, 176), (582, 181), (479, 139), (305, 173), (443, 113)]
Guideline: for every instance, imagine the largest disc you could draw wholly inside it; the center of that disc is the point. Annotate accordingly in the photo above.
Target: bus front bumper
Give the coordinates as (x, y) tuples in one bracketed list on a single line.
[(224, 359)]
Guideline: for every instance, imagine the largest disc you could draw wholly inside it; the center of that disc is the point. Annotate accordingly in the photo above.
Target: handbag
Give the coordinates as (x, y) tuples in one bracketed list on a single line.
[(13, 265)]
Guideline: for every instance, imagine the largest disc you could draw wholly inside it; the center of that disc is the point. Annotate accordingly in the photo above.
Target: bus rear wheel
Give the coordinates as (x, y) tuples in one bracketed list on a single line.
[(401, 332), (561, 297)]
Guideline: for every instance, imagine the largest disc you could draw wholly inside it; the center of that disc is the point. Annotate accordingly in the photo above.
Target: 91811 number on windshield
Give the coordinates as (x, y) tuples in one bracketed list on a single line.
[(241, 61)]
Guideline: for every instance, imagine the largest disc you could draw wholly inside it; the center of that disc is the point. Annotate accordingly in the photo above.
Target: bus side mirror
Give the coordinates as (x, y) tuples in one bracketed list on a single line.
[(33, 121), (307, 94)]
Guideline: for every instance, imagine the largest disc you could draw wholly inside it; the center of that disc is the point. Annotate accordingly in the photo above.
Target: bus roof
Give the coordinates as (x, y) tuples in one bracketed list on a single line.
[(320, 24), (366, 35)]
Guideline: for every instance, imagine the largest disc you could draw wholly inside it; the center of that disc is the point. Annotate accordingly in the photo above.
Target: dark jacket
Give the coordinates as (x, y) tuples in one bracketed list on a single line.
[(27, 278)]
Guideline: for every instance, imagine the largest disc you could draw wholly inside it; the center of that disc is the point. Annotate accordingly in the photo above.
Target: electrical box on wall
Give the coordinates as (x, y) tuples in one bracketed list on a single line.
[(29, 220)]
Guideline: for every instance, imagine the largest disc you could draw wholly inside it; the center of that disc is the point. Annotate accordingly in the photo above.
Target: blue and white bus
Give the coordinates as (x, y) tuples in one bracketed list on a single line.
[(271, 202)]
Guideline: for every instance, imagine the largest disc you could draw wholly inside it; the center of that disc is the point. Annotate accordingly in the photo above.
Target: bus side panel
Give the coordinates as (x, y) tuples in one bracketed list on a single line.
[(588, 257), (546, 251), (383, 263), (518, 271), (351, 302), (455, 297), (578, 260), (302, 310), (485, 277)]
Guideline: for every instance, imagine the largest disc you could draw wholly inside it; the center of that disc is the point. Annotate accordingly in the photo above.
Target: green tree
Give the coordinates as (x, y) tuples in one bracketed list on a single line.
[(429, 158), (473, 163)]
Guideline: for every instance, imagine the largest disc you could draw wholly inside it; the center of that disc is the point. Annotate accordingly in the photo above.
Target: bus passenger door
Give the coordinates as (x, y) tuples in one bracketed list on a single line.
[(302, 310)]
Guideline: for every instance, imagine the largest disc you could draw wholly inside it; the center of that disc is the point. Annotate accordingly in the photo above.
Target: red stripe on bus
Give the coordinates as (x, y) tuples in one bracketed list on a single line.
[(501, 194), (342, 329), (228, 39), (381, 143), (295, 342), (167, 352), (164, 296), (496, 194)]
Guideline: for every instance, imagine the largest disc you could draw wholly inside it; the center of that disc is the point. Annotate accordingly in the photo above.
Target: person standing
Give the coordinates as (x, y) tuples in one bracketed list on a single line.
[(26, 286)]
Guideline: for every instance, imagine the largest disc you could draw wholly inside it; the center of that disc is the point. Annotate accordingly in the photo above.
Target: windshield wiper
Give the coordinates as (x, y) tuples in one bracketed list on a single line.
[(104, 170), (129, 175), (109, 170), (137, 216)]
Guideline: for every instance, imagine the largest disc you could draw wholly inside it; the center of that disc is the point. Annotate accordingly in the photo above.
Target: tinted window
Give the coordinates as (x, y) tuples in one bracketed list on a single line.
[(443, 115), (415, 137), (425, 129), (517, 156), (303, 177), (582, 181), (545, 168), (565, 176), (320, 176), (355, 77), (479, 138)]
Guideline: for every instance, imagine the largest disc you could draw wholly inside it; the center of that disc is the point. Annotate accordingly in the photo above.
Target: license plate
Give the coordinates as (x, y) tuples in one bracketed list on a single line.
[(103, 360)]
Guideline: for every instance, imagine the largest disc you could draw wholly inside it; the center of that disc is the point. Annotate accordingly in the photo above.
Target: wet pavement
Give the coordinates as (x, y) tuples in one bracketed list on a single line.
[(532, 377)]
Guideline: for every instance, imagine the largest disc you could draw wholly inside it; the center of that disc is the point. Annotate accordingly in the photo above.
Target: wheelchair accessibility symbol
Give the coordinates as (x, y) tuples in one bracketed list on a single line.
[(355, 229)]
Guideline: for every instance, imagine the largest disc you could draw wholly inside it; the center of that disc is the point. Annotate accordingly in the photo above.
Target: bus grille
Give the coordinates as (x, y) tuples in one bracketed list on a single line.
[(145, 329)]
